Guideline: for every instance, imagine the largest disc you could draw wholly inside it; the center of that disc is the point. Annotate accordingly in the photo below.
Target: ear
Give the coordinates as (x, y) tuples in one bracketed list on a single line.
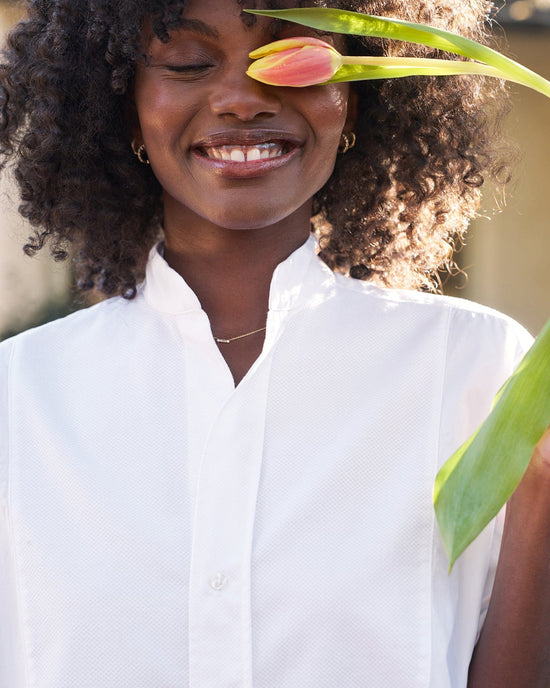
[(351, 117)]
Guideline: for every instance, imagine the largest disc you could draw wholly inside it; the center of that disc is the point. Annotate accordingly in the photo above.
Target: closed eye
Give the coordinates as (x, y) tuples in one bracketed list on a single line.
[(188, 72), (187, 68)]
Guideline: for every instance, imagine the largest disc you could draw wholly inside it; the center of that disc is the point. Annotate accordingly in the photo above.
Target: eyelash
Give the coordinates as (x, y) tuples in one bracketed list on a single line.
[(188, 68)]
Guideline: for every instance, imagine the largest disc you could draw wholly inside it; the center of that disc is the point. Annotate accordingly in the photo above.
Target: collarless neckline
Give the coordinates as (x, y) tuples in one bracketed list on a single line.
[(168, 292)]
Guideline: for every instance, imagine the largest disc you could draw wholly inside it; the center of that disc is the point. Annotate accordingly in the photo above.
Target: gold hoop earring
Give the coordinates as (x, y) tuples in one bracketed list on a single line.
[(140, 152), (347, 143)]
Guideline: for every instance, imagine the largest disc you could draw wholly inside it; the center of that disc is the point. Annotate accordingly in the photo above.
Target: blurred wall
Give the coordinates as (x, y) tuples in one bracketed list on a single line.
[(28, 287), (507, 258)]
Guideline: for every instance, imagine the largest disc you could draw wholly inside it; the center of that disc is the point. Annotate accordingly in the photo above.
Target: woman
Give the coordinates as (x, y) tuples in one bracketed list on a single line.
[(223, 476)]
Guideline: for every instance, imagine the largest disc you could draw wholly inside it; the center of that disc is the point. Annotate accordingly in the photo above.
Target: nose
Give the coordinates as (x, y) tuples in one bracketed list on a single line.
[(242, 97)]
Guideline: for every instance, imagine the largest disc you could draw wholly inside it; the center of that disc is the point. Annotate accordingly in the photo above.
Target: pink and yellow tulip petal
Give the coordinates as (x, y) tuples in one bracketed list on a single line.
[(296, 62)]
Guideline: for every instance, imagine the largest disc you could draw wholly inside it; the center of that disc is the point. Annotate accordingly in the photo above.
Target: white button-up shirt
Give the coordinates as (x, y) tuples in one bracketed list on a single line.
[(160, 528)]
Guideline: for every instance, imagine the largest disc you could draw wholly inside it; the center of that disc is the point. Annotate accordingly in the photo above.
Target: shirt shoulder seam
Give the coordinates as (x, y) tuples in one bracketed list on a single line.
[(452, 303)]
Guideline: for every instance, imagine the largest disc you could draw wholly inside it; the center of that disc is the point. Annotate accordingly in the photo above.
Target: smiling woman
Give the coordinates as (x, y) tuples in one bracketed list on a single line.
[(443, 137), (222, 475)]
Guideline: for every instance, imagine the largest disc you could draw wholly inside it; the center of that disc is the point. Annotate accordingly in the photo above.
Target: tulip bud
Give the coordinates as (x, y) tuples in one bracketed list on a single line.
[(303, 61)]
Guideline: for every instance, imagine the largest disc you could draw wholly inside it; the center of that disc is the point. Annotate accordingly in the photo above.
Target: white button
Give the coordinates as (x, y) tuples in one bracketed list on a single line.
[(218, 581)]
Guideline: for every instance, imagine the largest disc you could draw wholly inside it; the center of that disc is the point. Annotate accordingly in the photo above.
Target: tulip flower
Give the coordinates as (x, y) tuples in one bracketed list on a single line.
[(307, 61), (479, 478), (295, 62)]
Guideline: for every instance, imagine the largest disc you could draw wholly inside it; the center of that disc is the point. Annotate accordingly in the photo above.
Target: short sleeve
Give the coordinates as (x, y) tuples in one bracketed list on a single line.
[(484, 349)]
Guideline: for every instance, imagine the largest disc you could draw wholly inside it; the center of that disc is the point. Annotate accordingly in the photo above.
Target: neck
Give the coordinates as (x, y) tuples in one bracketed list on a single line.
[(230, 270)]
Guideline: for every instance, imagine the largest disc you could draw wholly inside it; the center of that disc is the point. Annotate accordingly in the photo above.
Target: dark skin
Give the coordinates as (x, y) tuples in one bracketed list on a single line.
[(228, 224), (231, 274)]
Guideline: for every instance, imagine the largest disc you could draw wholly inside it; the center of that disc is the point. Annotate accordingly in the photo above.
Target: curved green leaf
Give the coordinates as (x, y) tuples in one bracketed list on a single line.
[(479, 478)]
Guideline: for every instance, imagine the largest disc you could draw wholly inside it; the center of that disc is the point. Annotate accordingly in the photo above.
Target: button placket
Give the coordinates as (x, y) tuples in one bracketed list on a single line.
[(219, 589)]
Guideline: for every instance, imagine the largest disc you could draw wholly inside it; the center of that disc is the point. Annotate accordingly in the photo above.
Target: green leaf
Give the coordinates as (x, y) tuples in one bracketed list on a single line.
[(357, 24), (479, 478)]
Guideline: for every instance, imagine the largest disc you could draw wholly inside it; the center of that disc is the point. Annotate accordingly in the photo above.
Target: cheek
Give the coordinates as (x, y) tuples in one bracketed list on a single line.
[(327, 117), (160, 110), (328, 113), (325, 113), (158, 119)]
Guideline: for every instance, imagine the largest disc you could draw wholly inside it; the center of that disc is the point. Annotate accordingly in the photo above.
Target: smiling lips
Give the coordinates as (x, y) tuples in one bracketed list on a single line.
[(243, 153), (239, 154), (257, 147)]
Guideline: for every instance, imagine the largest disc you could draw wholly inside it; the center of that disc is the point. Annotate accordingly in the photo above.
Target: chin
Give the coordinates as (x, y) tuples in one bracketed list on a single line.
[(240, 225), (242, 221)]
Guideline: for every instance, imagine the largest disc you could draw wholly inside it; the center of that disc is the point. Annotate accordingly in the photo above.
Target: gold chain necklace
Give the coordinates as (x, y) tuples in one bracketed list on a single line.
[(220, 340)]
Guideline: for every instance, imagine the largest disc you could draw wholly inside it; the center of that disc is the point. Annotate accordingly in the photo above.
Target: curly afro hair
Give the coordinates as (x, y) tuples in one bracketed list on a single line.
[(391, 212)]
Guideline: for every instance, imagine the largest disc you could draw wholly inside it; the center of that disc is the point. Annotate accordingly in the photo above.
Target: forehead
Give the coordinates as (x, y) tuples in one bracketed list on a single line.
[(172, 15), (214, 10), (231, 5)]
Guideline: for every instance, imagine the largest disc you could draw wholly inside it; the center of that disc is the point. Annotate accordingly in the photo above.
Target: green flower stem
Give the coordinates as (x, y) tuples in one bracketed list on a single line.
[(357, 24), (357, 68)]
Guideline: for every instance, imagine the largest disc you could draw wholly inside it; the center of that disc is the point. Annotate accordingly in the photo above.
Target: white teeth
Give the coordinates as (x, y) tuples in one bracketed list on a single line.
[(263, 151), (253, 154), (238, 155)]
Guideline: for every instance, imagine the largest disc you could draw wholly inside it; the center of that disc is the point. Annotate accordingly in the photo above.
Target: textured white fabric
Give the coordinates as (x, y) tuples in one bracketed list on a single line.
[(161, 529)]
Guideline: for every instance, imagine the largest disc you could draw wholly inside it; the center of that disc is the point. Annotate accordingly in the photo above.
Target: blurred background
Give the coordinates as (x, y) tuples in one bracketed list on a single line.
[(506, 255)]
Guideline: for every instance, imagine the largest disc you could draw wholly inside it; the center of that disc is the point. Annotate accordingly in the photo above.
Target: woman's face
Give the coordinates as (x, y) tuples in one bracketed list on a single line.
[(224, 147)]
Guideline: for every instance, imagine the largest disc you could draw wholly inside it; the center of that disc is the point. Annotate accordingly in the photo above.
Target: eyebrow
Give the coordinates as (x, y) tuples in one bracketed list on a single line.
[(197, 26)]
